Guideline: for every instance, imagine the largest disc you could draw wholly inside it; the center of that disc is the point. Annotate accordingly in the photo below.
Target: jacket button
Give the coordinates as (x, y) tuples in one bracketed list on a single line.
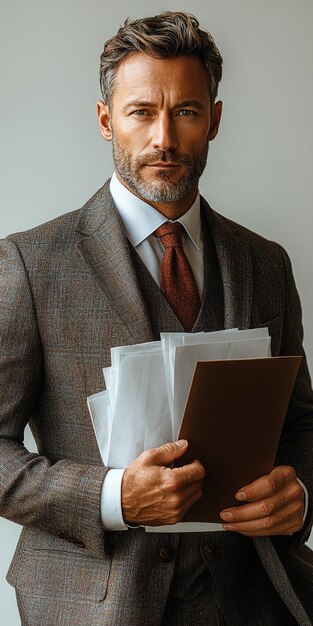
[(167, 555)]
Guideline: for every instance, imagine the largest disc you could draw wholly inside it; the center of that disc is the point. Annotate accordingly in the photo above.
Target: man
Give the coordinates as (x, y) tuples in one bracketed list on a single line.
[(100, 277)]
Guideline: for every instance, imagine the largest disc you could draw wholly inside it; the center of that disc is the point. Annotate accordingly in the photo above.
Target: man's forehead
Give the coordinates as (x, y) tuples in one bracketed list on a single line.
[(140, 74)]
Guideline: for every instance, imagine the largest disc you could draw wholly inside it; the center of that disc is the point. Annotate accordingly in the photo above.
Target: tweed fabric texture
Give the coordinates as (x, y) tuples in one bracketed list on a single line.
[(198, 593), (177, 280), (68, 292)]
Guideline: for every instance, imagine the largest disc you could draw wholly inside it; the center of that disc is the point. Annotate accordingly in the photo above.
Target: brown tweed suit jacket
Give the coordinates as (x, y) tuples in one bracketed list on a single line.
[(68, 292)]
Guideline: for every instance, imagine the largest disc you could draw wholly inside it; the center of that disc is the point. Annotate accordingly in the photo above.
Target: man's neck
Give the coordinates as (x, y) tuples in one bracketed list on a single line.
[(170, 210)]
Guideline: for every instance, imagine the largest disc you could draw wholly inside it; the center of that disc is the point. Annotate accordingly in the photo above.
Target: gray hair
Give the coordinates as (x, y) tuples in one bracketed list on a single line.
[(168, 35)]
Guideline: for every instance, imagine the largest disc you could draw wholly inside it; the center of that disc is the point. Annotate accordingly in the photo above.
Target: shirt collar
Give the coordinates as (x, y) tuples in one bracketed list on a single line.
[(140, 219)]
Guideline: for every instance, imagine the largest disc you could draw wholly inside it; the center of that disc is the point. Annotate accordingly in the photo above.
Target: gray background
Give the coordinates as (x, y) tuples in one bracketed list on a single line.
[(260, 166)]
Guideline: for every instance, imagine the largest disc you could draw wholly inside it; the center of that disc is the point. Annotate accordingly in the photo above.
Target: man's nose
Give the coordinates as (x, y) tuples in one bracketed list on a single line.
[(164, 135)]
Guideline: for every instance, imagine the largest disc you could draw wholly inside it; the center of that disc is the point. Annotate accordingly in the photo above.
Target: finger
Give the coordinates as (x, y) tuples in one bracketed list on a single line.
[(192, 472), (166, 454), (266, 526), (267, 485), (256, 510), (190, 494), (261, 533), (285, 521)]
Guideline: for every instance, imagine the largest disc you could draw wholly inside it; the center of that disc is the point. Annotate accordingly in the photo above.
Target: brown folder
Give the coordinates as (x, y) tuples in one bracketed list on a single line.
[(233, 421)]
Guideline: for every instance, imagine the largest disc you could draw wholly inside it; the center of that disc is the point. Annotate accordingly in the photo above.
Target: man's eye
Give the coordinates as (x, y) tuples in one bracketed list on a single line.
[(140, 112), (186, 112)]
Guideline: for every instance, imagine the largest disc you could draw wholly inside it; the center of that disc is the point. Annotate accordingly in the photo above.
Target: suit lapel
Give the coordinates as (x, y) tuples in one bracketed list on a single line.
[(103, 246), (234, 257), (104, 249)]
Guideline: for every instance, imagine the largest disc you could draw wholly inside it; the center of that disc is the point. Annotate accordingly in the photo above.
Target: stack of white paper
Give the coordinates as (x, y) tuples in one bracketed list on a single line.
[(147, 387)]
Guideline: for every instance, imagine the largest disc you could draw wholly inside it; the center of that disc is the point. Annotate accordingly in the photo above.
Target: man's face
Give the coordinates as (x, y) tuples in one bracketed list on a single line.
[(160, 125)]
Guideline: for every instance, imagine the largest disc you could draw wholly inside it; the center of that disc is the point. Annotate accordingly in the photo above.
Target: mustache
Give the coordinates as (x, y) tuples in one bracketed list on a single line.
[(167, 156)]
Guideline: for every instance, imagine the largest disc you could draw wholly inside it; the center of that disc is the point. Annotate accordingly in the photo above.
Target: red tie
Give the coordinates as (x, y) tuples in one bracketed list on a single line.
[(177, 280)]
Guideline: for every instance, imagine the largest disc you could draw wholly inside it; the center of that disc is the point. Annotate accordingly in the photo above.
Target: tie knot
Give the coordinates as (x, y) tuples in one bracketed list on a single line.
[(170, 234)]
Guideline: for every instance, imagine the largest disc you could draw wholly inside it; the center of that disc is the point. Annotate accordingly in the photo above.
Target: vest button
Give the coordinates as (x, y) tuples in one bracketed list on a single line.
[(167, 555)]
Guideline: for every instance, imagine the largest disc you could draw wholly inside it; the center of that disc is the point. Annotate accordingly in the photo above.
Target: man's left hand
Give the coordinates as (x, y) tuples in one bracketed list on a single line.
[(274, 505)]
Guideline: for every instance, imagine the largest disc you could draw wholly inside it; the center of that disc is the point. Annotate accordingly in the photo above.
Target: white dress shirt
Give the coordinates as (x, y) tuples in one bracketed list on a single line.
[(140, 220)]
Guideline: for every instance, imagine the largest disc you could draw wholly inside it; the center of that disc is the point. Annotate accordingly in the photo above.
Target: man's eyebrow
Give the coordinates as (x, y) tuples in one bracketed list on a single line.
[(189, 103), (141, 104)]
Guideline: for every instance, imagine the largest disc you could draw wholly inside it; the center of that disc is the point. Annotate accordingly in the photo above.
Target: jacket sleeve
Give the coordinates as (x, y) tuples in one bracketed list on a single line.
[(296, 444), (62, 498)]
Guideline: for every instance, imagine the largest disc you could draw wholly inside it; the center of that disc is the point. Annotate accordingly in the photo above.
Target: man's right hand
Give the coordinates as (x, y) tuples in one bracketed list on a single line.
[(153, 494)]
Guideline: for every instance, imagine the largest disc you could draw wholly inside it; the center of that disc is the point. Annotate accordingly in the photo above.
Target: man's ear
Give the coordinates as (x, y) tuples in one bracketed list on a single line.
[(104, 118), (216, 118)]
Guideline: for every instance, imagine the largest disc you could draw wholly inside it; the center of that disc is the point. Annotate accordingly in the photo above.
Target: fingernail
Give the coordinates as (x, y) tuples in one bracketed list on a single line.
[(181, 443), (227, 516), (241, 495)]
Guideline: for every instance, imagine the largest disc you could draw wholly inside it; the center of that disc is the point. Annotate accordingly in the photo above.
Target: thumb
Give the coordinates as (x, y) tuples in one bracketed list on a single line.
[(164, 455)]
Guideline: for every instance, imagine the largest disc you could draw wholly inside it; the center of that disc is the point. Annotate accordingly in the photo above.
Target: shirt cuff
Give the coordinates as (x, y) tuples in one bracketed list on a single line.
[(110, 503), (306, 498)]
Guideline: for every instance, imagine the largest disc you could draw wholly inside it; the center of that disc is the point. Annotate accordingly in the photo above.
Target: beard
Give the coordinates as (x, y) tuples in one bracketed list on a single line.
[(162, 189)]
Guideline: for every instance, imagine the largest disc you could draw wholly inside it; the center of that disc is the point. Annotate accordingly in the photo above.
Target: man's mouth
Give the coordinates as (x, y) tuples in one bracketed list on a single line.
[(163, 164)]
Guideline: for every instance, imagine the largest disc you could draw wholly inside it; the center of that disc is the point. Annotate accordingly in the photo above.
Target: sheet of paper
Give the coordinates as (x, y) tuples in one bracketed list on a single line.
[(99, 409), (172, 340), (141, 415), (250, 348), (118, 353), (168, 342), (185, 527)]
